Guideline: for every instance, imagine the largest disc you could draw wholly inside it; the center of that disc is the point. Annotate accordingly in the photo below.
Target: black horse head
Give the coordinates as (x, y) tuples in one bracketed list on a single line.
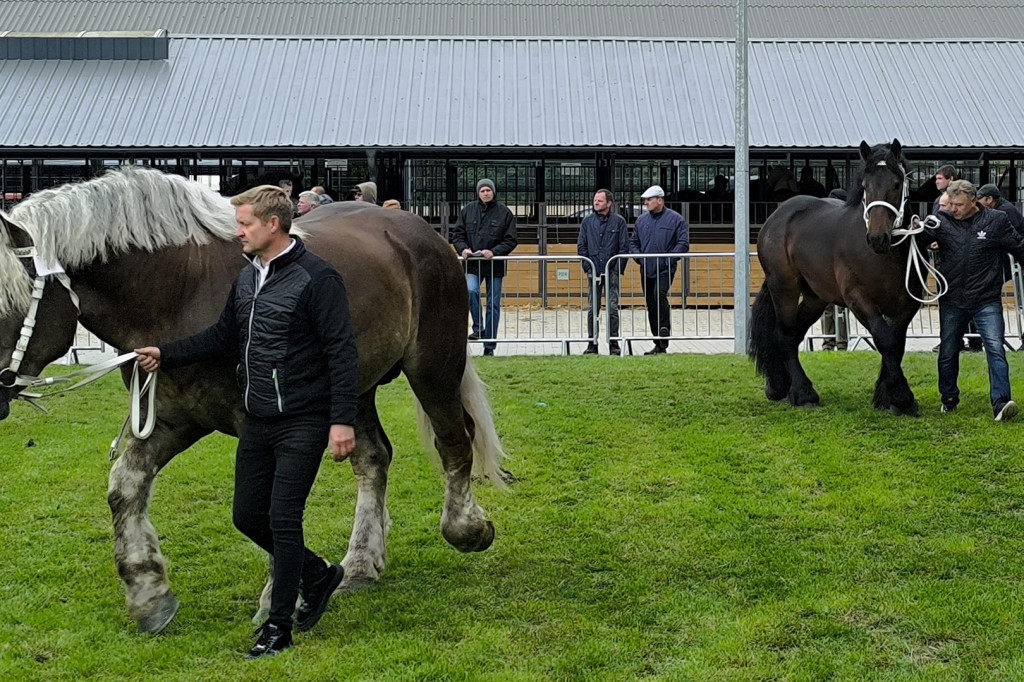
[(56, 318), (882, 187)]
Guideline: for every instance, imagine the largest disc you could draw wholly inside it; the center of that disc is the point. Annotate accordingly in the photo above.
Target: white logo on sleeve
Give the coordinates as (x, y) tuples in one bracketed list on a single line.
[(981, 235)]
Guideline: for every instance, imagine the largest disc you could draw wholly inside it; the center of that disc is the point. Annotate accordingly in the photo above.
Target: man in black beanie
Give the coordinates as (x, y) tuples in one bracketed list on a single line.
[(485, 229)]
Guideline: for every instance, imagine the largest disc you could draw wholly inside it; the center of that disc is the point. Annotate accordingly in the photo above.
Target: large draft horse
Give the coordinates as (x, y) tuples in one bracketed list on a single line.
[(152, 257), (819, 252)]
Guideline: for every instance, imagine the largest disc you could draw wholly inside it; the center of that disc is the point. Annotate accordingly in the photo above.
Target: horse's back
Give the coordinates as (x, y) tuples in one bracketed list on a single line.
[(404, 282)]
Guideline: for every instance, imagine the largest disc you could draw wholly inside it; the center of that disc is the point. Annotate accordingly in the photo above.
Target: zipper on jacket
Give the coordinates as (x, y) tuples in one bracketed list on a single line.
[(248, 341), (277, 389)]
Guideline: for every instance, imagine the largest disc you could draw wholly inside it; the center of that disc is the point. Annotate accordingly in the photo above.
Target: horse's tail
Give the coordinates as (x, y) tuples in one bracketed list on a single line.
[(487, 451), (763, 346)]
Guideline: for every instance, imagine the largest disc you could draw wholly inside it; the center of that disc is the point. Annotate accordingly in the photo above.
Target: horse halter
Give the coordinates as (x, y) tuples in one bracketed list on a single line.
[(880, 202), (9, 377)]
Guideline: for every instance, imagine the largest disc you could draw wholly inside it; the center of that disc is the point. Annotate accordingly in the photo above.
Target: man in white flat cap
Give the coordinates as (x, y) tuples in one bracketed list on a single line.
[(659, 230)]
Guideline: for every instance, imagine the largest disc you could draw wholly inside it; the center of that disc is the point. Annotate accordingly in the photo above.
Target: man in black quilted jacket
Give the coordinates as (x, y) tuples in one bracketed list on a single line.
[(287, 323)]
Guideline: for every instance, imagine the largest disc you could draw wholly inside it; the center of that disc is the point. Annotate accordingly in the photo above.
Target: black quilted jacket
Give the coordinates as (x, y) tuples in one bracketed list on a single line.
[(293, 340)]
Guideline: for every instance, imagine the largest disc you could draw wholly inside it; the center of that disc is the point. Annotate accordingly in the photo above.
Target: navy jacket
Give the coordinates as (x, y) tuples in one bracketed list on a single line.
[(485, 226), (293, 336), (601, 237), (666, 232), (971, 256)]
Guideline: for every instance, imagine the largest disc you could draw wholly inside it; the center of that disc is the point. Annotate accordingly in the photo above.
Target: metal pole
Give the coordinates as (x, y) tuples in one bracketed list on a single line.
[(741, 264)]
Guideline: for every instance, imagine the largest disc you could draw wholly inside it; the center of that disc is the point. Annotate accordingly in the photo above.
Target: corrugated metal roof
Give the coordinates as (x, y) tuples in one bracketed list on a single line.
[(820, 19), (216, 92)]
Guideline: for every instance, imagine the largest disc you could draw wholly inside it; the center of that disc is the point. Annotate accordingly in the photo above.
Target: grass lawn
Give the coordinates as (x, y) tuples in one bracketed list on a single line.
[(669, 524)]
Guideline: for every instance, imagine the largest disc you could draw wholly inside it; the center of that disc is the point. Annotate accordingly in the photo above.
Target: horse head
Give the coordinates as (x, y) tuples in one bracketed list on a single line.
[(37, 322), (884, 188)]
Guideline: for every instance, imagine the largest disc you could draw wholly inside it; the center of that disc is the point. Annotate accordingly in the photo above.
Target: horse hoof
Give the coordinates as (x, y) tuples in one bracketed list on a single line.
[(356, 584), (160, 616), (471, 542), (772, 394), (912, 410)]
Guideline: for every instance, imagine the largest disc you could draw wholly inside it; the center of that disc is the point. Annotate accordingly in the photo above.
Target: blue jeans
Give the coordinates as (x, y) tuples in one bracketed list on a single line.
[(490, 327), (952, 326)]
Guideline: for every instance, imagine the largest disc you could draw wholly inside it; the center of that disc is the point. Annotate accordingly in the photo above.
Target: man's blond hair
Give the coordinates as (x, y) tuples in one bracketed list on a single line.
[(267, 201), (962, 187)]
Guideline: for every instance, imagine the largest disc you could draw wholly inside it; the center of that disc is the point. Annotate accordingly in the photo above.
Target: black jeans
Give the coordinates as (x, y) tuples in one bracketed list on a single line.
[(275, 467), (659, 315)]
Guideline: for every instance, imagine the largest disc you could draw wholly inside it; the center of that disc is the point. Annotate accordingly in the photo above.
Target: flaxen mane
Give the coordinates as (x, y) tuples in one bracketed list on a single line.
[(133, 207)]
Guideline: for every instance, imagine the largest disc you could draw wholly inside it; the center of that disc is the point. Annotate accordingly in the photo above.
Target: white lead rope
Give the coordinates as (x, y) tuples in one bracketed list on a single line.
[(138, 389), (916, 260)]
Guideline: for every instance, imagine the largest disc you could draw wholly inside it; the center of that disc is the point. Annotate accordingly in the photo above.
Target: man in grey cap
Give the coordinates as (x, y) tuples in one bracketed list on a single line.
[(659, 230), (485, 229), (989, 197)]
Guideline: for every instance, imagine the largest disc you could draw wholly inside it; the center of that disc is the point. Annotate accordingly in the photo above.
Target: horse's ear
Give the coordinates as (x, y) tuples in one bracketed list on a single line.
[(896, 149), (865, 150)]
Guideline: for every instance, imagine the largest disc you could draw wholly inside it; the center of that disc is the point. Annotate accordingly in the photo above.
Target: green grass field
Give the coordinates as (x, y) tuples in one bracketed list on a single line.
[(669, 524)]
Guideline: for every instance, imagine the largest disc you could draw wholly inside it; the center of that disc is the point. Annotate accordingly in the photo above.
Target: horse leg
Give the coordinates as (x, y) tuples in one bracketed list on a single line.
[(762, 346), (892, 391), (367, 554), (795, 318), (463, 523), (136, 548)]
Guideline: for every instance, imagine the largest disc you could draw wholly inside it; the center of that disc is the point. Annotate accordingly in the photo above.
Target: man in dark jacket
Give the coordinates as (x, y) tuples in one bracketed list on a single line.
[(989, 197), (659, 230), (973, 241), (603, 234), (287, 321), (485, 229)]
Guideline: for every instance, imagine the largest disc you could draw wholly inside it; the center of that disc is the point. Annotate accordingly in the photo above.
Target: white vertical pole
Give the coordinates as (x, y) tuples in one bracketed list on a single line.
[(741, 210)]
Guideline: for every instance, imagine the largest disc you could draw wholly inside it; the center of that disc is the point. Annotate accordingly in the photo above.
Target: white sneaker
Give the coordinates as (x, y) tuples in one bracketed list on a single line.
[(1007, 413)]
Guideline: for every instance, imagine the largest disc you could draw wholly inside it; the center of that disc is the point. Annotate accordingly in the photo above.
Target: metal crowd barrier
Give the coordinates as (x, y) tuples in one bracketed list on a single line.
[(544, 299), (84, 342), (700, 298)]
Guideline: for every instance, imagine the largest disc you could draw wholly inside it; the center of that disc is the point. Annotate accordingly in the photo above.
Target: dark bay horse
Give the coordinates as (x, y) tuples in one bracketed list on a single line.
[(815, 253), (152, 257)]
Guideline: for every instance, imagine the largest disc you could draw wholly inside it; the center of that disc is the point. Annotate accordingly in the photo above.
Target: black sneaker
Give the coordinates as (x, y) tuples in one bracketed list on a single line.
[(591, 349), (946, 409), (489, 352), (273, 640), (614, 349), (474, 336), (316, 597), (657, 350), (1007, 412)]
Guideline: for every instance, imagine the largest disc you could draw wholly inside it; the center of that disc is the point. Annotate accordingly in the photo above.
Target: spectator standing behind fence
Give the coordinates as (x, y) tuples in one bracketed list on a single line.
[(659, 230), (973, 241), (365, 191), (989, 197), (324, 197), (393, 204), (831, 316), (307, 202), (485, 229), (603, 234), (945, 175)]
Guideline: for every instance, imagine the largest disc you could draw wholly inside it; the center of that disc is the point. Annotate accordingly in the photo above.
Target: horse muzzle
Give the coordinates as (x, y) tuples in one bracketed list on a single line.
[(880, 243)]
